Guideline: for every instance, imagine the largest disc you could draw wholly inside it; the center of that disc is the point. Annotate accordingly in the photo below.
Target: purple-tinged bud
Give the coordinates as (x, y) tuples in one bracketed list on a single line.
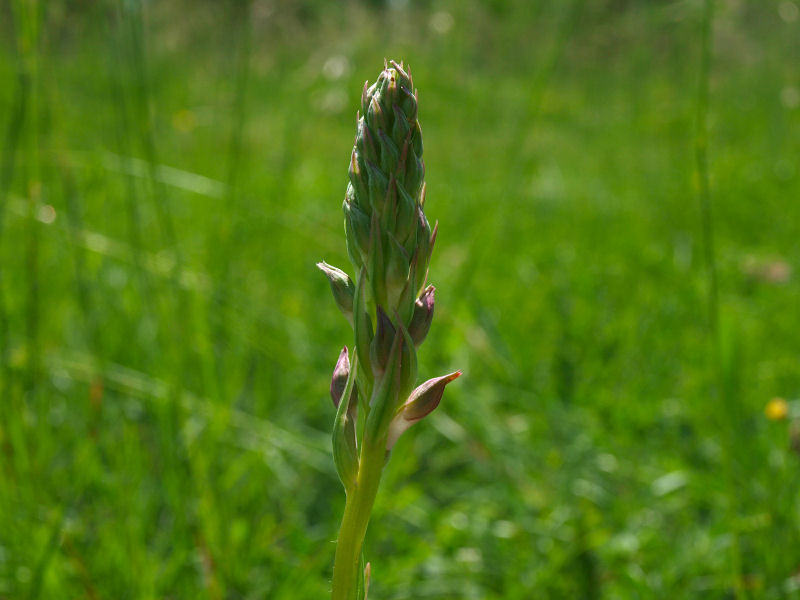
[(425, 398), (345, 451), (340, 374), (422, 317), (381, 345), (342, 288), (420, 403)]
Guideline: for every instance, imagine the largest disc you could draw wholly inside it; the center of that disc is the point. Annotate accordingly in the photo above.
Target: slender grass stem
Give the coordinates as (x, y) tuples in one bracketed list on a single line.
[(132, 201), (702, 173), (11, 145), (720, 376), (169, 307), (224, 244), (27, 20), (11, 421)]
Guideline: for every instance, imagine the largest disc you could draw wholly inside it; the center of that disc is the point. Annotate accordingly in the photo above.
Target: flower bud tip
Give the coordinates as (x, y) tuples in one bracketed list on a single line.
[(339, 379)]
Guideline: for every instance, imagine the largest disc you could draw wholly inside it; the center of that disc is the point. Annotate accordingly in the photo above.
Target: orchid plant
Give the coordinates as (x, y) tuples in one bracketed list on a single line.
[(389, 305)]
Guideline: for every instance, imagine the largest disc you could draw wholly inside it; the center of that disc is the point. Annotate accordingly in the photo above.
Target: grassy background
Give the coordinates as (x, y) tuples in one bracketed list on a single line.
[(171, 171)]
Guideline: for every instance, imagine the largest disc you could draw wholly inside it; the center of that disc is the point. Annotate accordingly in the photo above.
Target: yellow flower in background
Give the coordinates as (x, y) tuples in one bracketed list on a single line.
[(777, 409)]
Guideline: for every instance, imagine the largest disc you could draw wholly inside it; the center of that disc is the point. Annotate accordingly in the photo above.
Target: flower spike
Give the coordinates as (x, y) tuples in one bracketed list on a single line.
[(389, 241)]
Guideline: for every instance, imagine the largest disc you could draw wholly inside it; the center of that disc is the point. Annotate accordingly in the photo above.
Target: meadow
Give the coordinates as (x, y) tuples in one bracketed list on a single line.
[(616, 186)]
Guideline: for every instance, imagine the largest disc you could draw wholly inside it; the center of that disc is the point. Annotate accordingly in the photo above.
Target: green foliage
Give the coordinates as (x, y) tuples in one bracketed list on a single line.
[(171, 171)]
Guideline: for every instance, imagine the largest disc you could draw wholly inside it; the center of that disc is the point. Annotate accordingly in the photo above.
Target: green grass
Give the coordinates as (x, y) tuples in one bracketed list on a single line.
[(171, 172)]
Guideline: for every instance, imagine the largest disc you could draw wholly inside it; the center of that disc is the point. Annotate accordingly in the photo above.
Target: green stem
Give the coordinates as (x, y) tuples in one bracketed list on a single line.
[(357, 510)]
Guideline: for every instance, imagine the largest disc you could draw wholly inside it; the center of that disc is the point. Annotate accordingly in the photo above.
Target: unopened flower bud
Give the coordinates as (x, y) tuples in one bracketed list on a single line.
[(423, 316), (342, 288), (420, 404), (345, 395), (340, 374)]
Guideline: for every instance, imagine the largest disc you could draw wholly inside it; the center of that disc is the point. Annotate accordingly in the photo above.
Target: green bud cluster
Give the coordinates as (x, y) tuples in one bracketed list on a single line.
[(389, 241), (387, 231)]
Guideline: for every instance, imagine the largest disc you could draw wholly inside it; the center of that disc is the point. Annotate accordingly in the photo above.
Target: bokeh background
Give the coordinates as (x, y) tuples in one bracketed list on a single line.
[(617, 188)]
